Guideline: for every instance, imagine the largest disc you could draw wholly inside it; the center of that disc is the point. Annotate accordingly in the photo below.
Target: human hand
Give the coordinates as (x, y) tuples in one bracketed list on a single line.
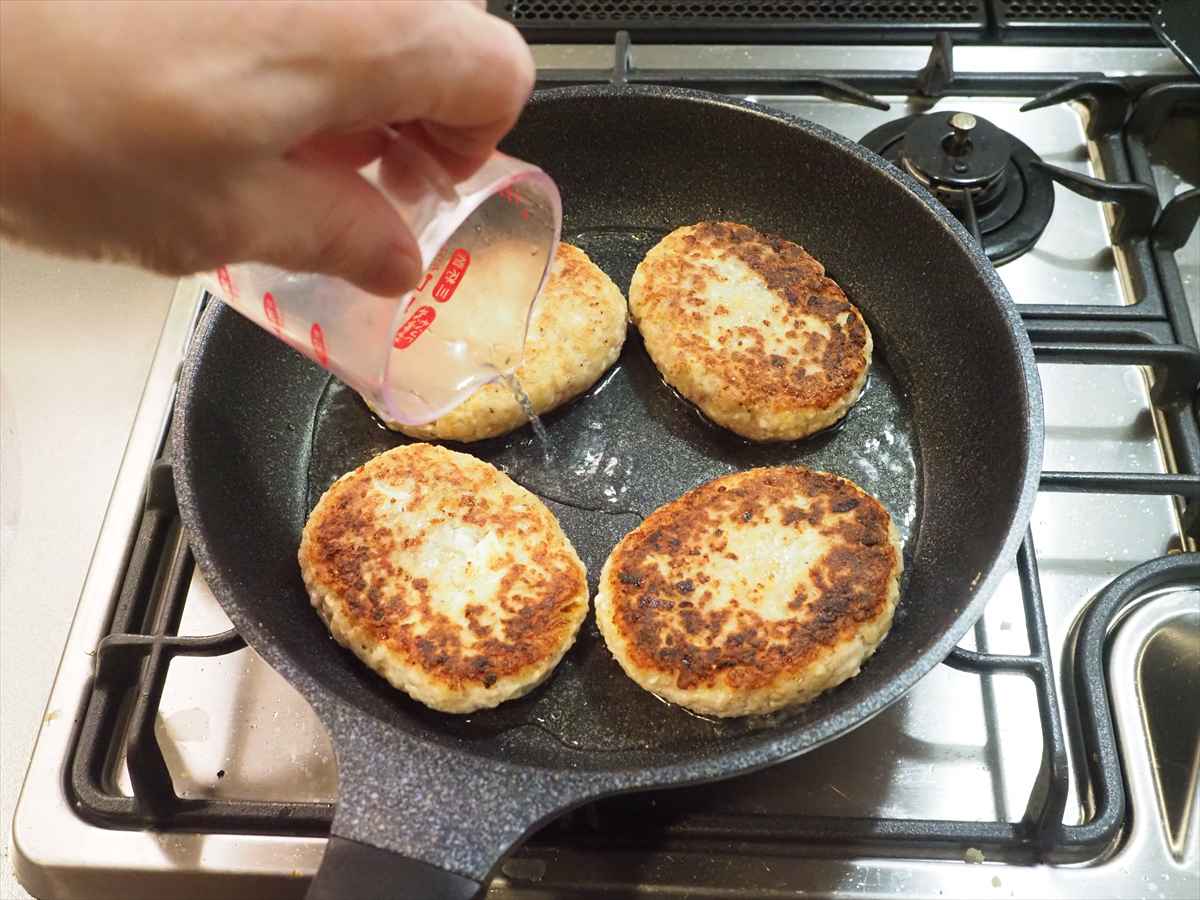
[(186, 135)]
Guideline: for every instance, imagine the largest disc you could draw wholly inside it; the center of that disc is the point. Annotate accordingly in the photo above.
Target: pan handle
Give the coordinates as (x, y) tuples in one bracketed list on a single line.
[(419, 820), (352, 870)]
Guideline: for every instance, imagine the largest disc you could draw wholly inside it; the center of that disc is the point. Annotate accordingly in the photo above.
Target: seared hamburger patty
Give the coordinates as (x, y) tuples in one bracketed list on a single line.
[(748, 327), (576, 332), (753, 592), (443, 575)]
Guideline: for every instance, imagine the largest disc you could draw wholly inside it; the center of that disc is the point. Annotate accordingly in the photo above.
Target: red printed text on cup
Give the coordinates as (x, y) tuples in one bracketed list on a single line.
[(513, 198), (226, 282), (271, 311), (452, 275), (317, 337), (414, 326)]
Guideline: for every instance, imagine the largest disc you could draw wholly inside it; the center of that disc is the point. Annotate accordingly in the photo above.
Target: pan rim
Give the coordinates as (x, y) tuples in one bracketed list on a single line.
[(750, 751)]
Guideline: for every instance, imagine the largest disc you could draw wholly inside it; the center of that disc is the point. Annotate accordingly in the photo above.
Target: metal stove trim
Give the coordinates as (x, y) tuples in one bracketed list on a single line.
[(968, 59)]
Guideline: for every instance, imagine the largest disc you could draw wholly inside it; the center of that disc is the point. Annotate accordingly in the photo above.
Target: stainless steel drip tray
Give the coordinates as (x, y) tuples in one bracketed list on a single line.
[(231, 728), (1154, 673)]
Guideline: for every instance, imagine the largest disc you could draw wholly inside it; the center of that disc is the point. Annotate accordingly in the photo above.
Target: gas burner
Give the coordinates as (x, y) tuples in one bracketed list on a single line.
[(983, 175)]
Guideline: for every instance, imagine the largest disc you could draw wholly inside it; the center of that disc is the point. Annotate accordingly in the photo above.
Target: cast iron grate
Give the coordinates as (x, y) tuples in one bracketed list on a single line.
[(133, 660)]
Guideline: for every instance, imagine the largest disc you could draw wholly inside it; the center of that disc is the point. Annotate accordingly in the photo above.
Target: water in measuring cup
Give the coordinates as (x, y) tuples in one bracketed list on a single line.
[(462, 325)]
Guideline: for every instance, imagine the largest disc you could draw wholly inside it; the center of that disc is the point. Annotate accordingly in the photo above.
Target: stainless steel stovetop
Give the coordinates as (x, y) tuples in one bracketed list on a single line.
[(958, 747)]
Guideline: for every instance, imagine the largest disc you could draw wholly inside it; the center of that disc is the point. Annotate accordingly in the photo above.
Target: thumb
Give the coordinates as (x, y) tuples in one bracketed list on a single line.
[(310, 217)]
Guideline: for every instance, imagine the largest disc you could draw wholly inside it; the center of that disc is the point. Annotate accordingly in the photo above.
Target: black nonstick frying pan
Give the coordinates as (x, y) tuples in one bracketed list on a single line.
[(948, 435)]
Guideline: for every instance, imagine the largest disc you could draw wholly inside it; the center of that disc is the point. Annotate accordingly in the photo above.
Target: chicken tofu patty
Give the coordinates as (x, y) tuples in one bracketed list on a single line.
[(748, 327), (753, 592), (443, 575)]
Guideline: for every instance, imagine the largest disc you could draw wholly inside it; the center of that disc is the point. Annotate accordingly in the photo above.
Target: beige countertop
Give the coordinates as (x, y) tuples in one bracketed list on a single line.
[(76, 341)]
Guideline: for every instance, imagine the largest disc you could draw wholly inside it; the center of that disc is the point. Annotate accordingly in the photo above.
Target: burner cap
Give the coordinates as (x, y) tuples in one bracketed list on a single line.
[(960, 156), (955, 150)]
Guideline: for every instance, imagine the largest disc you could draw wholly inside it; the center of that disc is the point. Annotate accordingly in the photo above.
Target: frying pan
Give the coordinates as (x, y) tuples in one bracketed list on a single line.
[(947, 435)]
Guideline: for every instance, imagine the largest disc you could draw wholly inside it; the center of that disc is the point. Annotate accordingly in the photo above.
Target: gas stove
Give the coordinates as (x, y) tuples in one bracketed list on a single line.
[(1057, 751)]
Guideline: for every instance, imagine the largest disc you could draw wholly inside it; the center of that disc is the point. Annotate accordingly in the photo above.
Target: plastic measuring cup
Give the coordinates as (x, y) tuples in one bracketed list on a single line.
[(486, 245)]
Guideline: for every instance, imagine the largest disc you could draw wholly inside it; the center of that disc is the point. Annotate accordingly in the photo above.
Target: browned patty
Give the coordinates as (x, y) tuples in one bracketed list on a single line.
[(445, 576), (752, 592), (749, 327)]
